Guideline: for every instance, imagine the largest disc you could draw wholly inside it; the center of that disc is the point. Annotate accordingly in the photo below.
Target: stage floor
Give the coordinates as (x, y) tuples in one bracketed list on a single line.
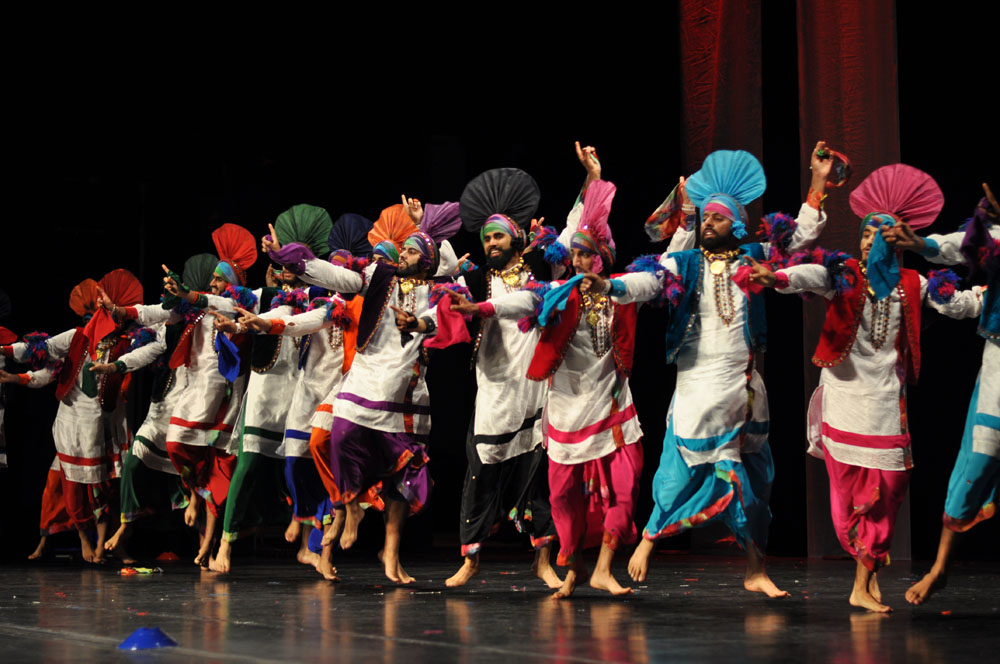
[(690, 609)]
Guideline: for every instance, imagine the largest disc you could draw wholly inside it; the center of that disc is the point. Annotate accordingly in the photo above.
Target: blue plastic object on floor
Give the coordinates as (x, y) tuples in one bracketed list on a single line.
[(147, 638)]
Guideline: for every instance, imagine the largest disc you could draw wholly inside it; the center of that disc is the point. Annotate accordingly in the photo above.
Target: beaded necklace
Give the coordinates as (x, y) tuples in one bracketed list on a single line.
[(722, 284), (881, 309), (597, 312)]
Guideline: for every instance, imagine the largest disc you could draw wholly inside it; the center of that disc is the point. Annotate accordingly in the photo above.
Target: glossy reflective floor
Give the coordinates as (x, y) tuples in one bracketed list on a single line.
[(690, 609)]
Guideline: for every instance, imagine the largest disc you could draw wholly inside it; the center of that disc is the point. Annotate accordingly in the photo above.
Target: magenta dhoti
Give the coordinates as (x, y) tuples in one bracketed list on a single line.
[(594, 502), (864, 503)]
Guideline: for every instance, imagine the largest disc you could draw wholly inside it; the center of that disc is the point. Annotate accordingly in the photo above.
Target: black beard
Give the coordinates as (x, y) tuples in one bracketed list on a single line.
[(500, 261), (719, 243), (408, 271)]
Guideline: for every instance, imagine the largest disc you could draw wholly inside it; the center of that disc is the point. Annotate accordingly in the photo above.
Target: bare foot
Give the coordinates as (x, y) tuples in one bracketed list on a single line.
[(393, 569), (575, 572), (762, 583), (326, 567), (116, 544), (307, 557), (873, 588), (542, 567), (292, 531), (922, 590), (352, 519), (87, 549), (863, 600), (39, 550), (222, 561), (332, 531), (204, 550), (468, 570), (638, 564), (605, 581)]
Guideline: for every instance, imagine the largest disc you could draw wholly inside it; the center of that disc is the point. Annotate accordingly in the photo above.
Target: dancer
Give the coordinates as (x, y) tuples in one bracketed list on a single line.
[(508, 464), (150, 483), (716, 461), (258, 480), (382, 413), (202, 421), (90, 430), (593, 433), (869, 346), (972, 489)]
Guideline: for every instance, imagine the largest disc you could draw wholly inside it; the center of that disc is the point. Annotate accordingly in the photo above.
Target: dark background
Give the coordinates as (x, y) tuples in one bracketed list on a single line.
[(127, 157)]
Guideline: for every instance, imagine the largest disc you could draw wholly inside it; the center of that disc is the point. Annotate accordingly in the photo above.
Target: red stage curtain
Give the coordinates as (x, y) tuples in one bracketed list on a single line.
[(848, 96)]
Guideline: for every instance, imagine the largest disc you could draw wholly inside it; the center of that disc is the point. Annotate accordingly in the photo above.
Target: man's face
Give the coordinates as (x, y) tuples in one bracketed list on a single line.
[(409, 262), (498, 250), (716, 231), (583, 261), (217, 285), (288, 278), (867, 238)]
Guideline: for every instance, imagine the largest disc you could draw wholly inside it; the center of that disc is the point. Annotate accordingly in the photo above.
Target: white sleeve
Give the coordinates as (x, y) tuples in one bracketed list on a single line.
[(40, 378), (57, 347), (810, 224), (304, 323), (227, 305), (515, 305), (572, 223), (335, 278), (949, 247), (810, 278), (963, 304), (140, 357), (151, 314), (639, 287)]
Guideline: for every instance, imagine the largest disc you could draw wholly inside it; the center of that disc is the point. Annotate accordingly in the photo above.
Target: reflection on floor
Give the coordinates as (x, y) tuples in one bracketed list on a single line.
[(690, 608)]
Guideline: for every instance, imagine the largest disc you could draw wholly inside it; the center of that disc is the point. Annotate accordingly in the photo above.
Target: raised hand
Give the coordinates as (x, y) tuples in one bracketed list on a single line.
[(592, 282), (901, 236), (588, 158), (463, 259), (225, 324), (993, 201), (414, 209), (762, 274), (269, 245), (820, 167)]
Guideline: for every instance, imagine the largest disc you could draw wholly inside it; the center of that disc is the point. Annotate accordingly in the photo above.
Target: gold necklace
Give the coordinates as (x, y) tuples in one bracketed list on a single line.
[(722, 285), (598, 315), (512, 275), (409, 283)]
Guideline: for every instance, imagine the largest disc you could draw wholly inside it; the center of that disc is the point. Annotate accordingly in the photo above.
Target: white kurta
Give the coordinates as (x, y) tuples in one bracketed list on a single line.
[(206, 406), (385, 389), (89, 440), (508, 415), (321, 376), (579, 422), (858, 412)]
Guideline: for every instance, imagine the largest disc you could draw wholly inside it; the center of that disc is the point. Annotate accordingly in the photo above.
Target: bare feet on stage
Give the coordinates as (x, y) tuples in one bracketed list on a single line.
[(873, 588), (87, 551), (393, 569), (602, 579), (333, 530), (305, 556), (757, 580), (222, 561), (576, 572), (102, 537), (116, 544), (638, 564), (40, 549), (292, 531), (326, 567), (543, 569), (922, 590), (469, 568), (352, 519), (207, 538), (396, 512), (861, 596)]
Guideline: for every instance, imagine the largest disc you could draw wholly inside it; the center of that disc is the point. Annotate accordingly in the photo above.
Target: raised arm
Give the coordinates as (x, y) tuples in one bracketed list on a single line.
[(939, 293)]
